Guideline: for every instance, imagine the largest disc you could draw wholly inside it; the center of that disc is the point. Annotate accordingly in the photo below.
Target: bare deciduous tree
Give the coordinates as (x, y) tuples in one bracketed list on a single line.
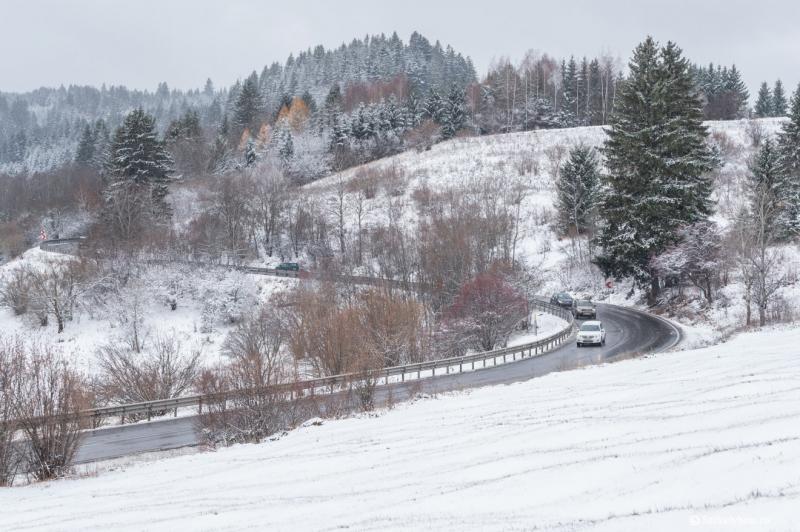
[(15, 290), (233, 206), (161, 370), (338, 209), (127, 212), (486, 311), (270, 205), (12, 364), (250, 407), (698, 257), (56, 288), (50, 395)]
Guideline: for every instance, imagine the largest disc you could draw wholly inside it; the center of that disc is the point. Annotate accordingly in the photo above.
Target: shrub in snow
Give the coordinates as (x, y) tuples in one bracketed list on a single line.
[(42, 393), (15, 290), (250, 409), (161, 369), (486, 311)]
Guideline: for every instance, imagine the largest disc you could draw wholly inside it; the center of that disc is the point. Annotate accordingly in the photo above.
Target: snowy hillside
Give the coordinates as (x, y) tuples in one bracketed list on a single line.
[(487, 166), (701, 439), (494, 167), (208, 301)]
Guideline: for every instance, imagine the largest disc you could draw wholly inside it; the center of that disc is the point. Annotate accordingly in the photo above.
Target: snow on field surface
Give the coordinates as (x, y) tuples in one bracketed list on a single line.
[(696, 440)]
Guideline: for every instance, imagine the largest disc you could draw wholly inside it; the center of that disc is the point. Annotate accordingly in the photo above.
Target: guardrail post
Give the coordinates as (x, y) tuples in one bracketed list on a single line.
[(149, 412), (460, 366), (200, 406)]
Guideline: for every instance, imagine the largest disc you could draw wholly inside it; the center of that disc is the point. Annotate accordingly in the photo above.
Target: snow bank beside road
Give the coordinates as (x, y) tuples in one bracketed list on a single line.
[(664, 443)]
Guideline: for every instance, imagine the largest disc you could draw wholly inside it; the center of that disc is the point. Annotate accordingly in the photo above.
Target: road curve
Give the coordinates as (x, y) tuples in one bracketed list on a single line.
[(629, 332)]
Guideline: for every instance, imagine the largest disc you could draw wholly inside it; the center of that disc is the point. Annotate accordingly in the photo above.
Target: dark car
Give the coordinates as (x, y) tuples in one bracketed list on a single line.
[(583, 308), (288, 267), (562, 299)]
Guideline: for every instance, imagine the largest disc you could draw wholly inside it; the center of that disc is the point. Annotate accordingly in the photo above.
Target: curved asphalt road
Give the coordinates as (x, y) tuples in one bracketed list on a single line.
[(628, 333)]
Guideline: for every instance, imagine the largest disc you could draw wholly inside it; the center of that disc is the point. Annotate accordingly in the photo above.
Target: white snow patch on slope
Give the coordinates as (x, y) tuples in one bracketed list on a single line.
[(671, 442)]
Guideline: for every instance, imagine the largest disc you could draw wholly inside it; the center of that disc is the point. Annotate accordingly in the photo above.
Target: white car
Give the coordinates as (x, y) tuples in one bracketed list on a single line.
[(591, 333)]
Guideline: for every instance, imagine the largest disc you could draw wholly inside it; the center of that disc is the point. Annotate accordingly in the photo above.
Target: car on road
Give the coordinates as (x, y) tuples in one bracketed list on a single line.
[(591, 333), (583, 309), (562, 299), (288, 267)]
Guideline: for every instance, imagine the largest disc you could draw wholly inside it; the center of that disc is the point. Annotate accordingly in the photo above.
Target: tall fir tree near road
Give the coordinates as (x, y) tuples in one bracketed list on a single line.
[(764, 106), (658, 163), (789, 152)]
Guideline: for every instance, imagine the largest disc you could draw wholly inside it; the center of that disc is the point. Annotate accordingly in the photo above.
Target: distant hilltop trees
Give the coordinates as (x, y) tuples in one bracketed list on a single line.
[(365, 99)]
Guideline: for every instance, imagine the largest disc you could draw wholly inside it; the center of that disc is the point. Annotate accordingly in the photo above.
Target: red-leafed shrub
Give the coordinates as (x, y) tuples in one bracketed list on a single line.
[(485, 311)]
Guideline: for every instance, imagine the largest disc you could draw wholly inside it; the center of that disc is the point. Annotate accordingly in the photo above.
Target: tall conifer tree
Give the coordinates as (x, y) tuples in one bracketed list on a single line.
[(764, 106), (778, 100), (657, 161)]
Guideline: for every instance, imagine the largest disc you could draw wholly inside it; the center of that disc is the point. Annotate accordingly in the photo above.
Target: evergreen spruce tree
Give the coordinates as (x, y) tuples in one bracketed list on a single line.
[(737, 94), (286, 146), (766, 183), (435, 107), (582, 93), (595, 96), (657, 161), (414, 110), (85, 152), (338, 133), (454, 116), (309, 101), (789, 151), (102, 144), (778, 100), (250, 153), (220, 152), (576, 191), (249, 105), (208, 90), (140, 163), (764, 105), (332, 107), (569, 90)]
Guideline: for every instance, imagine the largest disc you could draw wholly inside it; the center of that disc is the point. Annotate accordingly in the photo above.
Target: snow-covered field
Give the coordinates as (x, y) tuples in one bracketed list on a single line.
[(697, 440)]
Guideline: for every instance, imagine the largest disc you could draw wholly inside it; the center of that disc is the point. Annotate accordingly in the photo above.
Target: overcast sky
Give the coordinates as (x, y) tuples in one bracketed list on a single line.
[(141, 42)]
